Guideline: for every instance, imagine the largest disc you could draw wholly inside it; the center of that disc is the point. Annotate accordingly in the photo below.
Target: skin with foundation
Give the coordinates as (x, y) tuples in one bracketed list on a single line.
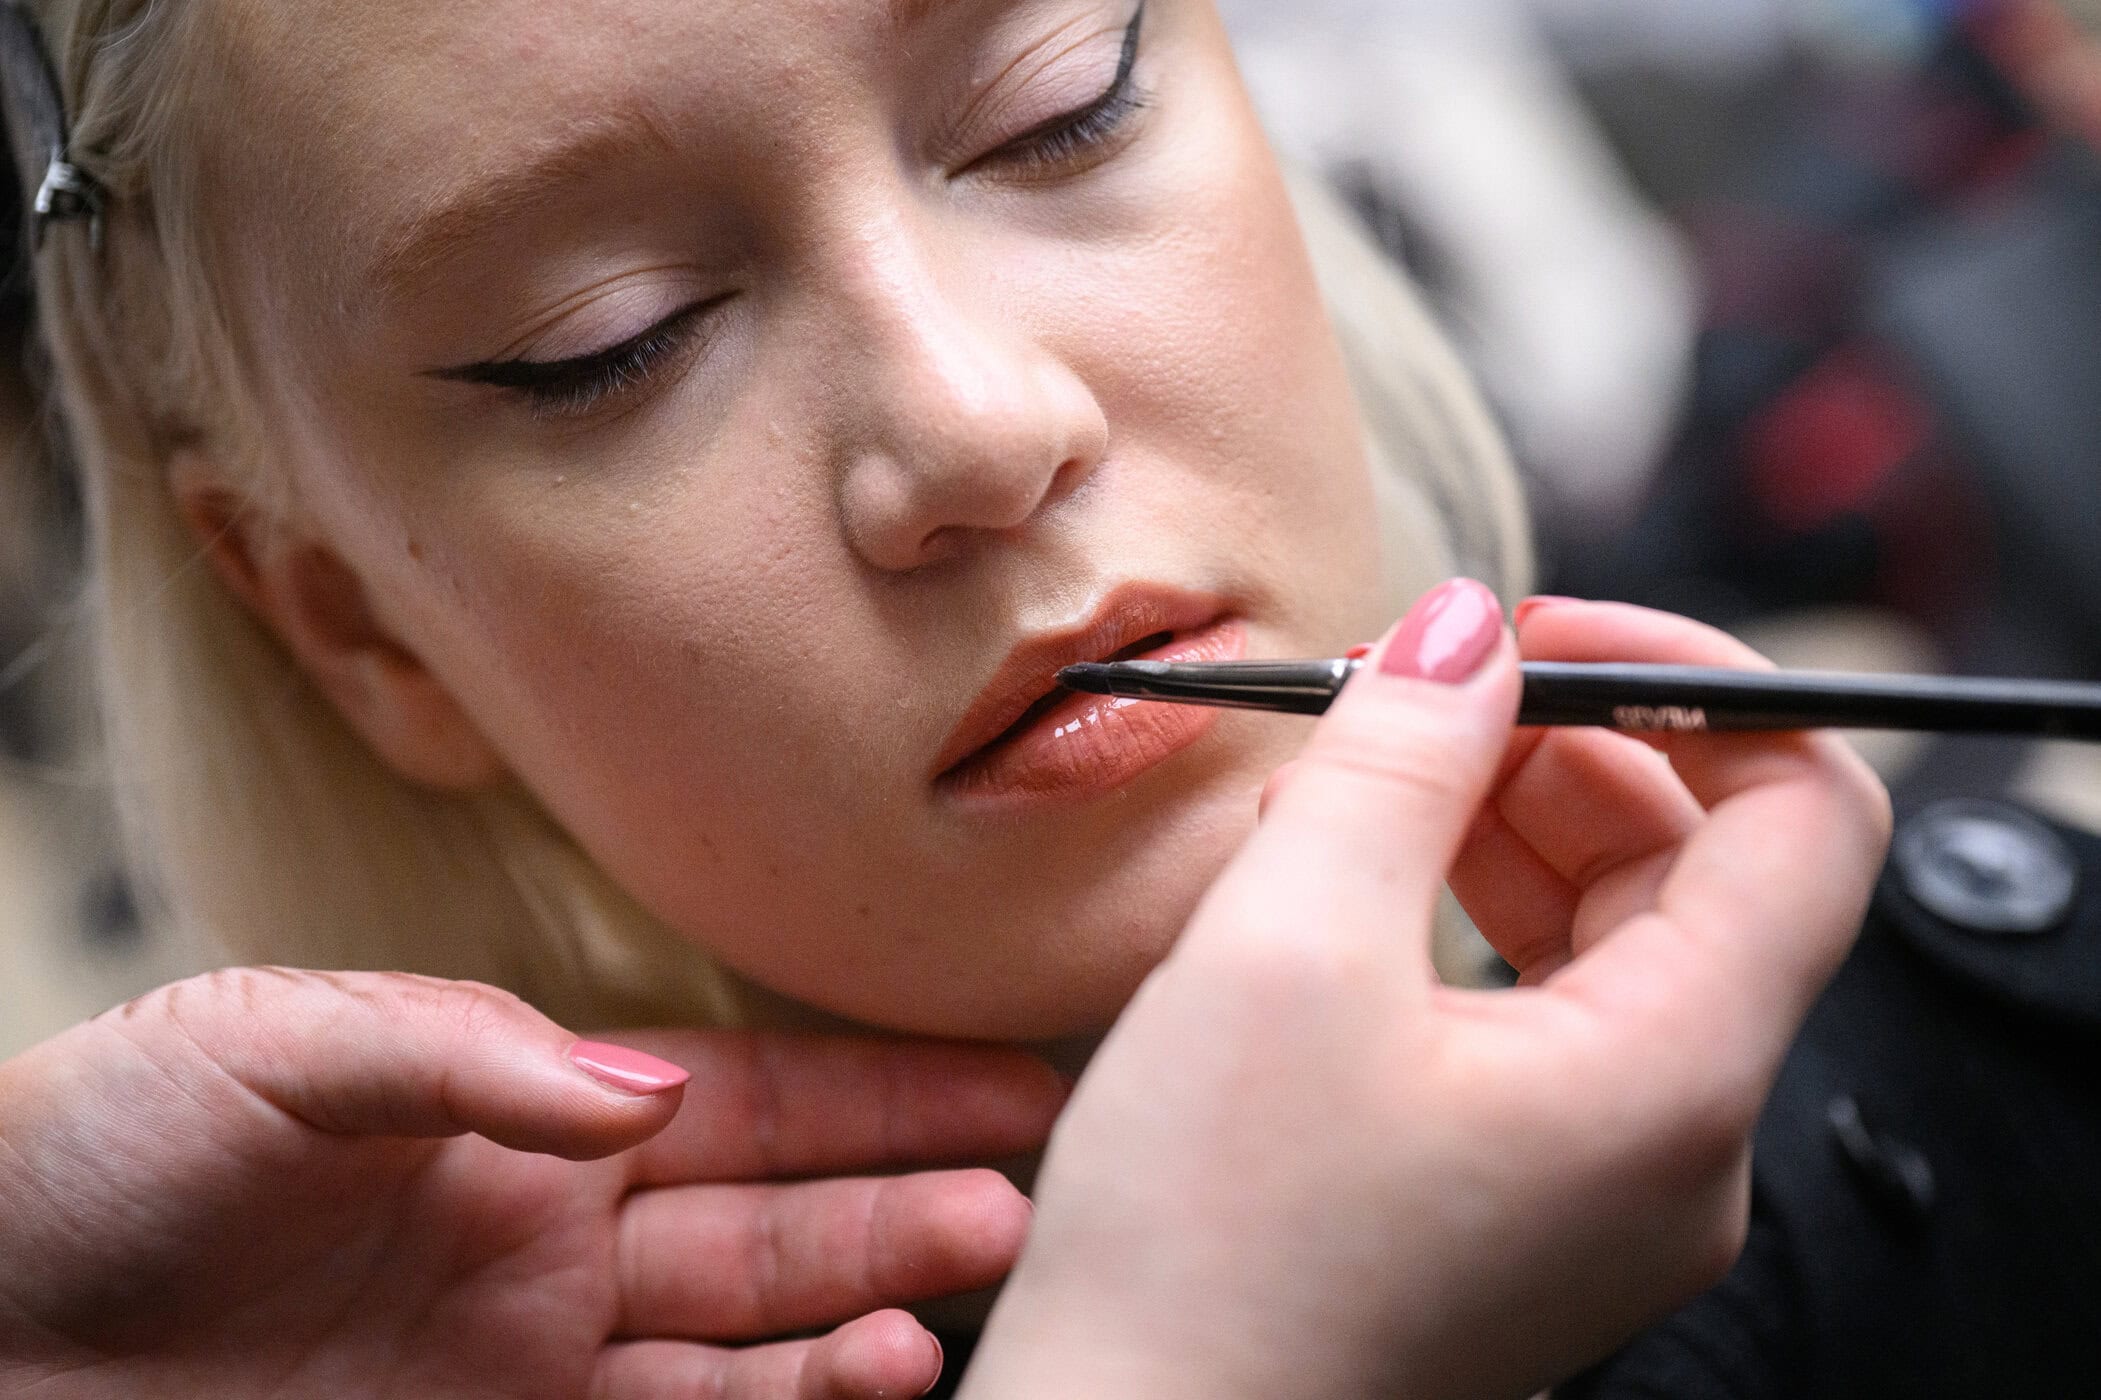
[(731, 451)]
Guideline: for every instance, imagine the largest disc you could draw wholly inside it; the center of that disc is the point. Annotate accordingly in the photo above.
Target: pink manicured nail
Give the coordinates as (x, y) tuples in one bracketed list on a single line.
[(1360, 651), (1535, 603), (1446, 636), (626, 1069)]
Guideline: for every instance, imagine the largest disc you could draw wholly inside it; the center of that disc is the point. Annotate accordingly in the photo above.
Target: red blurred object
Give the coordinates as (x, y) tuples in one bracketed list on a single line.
[(1824, 447)]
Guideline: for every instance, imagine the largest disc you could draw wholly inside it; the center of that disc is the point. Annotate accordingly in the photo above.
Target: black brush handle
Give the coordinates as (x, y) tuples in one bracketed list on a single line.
[(1652, 699), (1696, 699)]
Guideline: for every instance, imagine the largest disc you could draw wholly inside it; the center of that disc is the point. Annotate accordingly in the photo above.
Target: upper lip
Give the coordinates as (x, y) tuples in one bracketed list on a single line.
[(1125, 615)]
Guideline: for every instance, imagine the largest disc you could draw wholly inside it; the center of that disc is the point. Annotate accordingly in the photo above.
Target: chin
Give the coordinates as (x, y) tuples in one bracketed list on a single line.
[(1078, 939), (1007, 930)]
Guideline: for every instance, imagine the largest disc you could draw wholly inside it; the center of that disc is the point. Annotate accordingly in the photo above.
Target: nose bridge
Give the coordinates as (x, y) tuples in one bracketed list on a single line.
[(960, 419), (928, 327)]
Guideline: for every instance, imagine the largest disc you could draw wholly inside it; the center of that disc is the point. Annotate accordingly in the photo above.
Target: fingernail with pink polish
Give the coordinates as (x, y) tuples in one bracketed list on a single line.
[(1447, 636), (625, 1069), (1535, 603)]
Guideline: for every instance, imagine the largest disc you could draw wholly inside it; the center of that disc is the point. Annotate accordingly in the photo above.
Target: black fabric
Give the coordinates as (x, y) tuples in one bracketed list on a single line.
[(1976, 1056)]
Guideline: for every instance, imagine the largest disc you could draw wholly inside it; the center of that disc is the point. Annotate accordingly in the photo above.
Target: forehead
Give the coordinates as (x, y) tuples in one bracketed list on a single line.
[(365, 117), (490, 57)]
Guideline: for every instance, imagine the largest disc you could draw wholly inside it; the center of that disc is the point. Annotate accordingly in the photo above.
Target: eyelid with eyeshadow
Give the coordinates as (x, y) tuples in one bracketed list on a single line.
[(1059, 137)]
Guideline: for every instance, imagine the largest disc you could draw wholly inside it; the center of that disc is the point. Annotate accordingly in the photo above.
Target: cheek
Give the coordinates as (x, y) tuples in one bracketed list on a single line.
[(1224, 364), (595, 622), (700, 708)]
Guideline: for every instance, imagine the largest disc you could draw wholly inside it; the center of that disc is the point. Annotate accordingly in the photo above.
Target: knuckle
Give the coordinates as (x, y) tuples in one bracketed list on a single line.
[(766, 1064), (767, 1267), (1722, 1245), (476, 1010), (1717, 1234), (237, 988), (236, 995), (1700, 1118), (1714, 1131), (148, 1005), (466, 1000)]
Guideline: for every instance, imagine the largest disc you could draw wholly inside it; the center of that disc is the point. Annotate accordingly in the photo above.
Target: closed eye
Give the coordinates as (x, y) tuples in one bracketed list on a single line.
[(1067, 138), (574, 386)]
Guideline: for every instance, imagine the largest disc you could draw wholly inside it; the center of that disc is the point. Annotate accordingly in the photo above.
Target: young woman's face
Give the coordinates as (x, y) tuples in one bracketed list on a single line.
[(742, 408)]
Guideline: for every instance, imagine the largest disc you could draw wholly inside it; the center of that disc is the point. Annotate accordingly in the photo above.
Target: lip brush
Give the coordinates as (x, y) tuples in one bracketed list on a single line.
[(1648, 699)]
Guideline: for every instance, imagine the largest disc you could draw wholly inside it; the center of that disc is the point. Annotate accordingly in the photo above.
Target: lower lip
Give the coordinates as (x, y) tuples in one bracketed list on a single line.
[(1091, 745)]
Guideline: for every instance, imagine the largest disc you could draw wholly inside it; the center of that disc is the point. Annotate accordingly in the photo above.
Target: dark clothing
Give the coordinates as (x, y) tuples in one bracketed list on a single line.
[(1926, 1216)]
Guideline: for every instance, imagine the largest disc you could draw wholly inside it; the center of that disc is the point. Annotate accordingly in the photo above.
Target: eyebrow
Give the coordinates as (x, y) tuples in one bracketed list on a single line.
[(454, 217)]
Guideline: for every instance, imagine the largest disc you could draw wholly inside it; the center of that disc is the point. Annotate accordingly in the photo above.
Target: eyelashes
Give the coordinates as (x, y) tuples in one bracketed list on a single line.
[(572, 387), (577, 386)]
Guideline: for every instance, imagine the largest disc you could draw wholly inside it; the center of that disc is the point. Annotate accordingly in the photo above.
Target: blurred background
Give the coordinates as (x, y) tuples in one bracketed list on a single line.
[(1791, 308)]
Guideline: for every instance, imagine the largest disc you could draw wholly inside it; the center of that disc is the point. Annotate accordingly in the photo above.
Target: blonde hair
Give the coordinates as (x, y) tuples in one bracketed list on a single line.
[(260, 820)]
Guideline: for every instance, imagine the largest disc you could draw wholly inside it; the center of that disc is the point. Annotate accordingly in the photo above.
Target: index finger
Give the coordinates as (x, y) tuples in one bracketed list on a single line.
[(764, 1105)]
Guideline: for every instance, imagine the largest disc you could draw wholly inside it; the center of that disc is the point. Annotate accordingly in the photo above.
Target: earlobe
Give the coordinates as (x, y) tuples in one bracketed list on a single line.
[(305, 593)]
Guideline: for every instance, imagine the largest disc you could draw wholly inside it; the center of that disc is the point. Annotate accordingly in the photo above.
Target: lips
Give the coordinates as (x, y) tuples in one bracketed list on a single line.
[(1025, 737)]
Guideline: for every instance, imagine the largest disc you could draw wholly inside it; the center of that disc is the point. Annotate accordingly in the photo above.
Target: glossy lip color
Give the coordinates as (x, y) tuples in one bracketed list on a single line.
[(1025, 738)]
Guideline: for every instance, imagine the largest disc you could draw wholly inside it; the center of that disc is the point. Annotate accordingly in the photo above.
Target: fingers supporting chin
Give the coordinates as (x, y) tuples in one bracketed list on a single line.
[(395, 1055), (767, 1105), (738, 1263)]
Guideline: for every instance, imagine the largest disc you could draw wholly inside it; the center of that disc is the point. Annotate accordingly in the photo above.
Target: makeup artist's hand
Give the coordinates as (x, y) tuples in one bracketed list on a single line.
[(269, 1183), (1300, 1166)]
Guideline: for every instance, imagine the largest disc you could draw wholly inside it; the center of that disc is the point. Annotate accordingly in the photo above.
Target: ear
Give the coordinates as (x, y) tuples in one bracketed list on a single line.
[(316, 604)]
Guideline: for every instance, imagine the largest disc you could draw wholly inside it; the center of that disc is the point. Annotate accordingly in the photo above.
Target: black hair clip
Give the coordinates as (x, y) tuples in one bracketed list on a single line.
[(59, 191)]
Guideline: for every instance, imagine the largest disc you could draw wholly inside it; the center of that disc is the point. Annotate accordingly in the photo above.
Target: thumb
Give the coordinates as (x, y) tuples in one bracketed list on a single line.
[(1375, 809), (395, 1055)]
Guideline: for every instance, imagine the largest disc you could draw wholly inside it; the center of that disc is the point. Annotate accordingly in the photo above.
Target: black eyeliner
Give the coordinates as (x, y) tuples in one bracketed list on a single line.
[(548, 375)]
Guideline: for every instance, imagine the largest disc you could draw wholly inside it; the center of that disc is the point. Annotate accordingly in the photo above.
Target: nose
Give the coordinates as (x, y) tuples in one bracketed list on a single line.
[(963, 424)]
